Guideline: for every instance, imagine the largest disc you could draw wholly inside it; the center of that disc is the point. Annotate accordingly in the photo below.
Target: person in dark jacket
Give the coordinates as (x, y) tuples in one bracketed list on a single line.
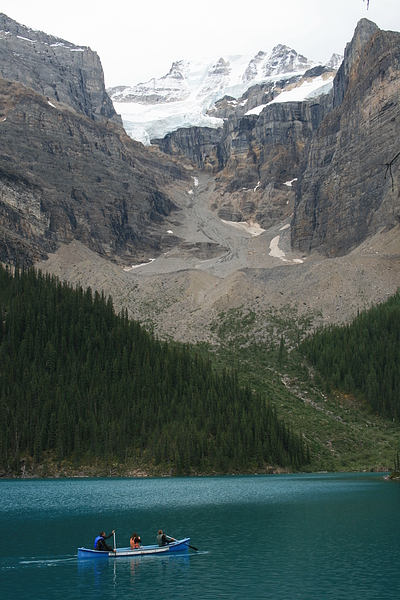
[(100, 542), (162, 539)]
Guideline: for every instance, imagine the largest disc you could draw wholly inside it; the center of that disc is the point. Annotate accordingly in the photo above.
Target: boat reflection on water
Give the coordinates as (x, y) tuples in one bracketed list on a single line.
[(104, 571)]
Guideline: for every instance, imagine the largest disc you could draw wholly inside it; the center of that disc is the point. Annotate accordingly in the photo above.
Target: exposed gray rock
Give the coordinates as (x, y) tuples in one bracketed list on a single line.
[(364, 30), (195, 143), (62, 72), (343, 195), (64, 176)]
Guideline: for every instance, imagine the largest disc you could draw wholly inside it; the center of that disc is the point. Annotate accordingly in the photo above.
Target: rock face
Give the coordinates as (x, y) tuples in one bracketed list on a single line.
[(67, 168), (67, 75), (343, 195), (338, 146), (198, 144), (253, 156)]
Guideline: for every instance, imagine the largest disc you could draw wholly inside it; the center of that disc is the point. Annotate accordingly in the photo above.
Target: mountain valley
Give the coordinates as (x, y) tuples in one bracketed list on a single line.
[(273, 211)]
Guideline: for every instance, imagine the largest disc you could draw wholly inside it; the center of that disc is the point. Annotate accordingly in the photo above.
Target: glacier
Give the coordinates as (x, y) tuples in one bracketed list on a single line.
[(183, 97)]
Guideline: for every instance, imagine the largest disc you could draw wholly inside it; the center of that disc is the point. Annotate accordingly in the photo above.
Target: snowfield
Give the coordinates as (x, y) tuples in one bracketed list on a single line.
[(184, 95)]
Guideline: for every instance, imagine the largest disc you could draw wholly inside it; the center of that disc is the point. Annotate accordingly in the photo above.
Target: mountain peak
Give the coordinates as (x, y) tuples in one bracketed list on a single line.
[(182, 97), (362, 33)]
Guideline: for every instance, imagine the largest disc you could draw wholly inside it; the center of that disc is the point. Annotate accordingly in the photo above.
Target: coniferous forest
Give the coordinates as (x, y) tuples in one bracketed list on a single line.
[(362, 358), (81, 383)]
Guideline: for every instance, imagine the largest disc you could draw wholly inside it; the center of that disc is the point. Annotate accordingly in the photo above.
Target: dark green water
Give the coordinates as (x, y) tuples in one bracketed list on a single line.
[(298, 536)]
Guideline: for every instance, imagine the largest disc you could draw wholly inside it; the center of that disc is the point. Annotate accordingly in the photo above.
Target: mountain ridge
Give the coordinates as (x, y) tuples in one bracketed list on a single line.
[(67, 168), (66, 74), (185, 95)]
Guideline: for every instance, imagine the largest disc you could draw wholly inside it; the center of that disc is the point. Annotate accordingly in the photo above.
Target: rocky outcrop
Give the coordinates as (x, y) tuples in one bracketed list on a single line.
[(64, 176), (68, 170), (198, 144), (253, 156), (364, 30), (343, 195), (259, 157), (65, 74)]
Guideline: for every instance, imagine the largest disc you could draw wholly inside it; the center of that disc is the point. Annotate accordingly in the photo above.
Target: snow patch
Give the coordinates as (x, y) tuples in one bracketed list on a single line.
[(289, 183), (50, 104), (255, 111), (25, 39), (305, 91), (253, 229), (126, 269), (276, 252)]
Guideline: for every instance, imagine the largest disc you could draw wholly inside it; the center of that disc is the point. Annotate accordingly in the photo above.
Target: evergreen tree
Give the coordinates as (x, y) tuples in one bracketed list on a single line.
[(78, 381)]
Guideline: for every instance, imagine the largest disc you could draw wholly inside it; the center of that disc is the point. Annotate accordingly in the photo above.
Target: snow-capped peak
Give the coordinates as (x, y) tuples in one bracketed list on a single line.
[(334, 62), (182, 97)]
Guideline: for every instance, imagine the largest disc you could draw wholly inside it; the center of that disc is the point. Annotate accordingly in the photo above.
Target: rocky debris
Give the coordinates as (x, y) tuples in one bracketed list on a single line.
[(343, 195), (65, 74)]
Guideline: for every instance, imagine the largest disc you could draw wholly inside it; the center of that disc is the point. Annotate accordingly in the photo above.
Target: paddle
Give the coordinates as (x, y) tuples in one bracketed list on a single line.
[(174, 540), (115, 547)]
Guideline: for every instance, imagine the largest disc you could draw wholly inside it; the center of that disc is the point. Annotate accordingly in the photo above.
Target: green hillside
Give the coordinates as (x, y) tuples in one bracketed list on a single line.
[(342, 429), (80, 384), (362, 358)]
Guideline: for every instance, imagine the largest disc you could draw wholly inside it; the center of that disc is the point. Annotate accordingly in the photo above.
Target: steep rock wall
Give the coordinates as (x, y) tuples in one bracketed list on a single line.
[(253, 156), (259, 155), (62, 72), (343, 195), (64, 176)]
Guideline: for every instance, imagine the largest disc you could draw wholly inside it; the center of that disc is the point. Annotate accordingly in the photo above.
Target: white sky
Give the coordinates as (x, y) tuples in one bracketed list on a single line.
[(138, 40)]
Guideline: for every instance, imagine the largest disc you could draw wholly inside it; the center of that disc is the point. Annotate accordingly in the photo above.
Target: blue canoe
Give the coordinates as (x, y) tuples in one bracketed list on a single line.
[(177, 546)]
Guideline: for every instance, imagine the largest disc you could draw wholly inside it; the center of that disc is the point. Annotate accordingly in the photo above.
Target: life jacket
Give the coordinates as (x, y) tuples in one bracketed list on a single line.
[(99, 537)]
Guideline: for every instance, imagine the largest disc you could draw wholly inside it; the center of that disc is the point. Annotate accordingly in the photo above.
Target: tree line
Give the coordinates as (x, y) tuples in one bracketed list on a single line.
[(81, 382), (363, 357)]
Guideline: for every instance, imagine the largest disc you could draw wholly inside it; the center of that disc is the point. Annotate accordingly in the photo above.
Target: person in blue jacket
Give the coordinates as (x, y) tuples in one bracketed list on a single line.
[(100, 542)]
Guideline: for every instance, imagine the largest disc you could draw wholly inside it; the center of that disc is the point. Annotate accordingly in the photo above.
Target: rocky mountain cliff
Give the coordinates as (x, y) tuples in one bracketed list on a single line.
[(343, 194), (66, 74), (321, 159), (67, 168), (255, 156)]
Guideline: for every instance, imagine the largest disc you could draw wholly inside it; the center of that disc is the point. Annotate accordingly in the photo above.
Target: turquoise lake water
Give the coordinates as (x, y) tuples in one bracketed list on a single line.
[(287, 536)]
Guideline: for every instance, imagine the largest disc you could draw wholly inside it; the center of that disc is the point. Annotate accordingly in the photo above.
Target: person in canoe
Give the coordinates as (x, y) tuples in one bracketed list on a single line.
[(162, 539), (100, 542), (135, 541)]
